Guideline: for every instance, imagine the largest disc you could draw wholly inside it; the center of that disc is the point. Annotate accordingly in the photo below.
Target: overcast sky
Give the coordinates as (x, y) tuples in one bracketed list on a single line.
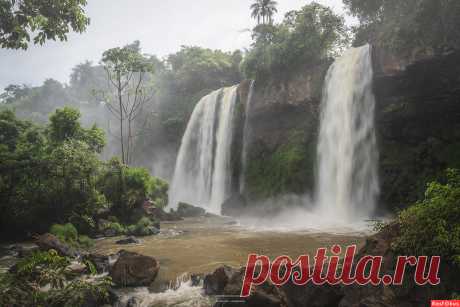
[(161, 26)]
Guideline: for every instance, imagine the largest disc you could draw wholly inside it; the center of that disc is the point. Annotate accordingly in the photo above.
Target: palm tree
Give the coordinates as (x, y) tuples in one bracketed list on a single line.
[(268, 10), (256, 10), (265, 9)]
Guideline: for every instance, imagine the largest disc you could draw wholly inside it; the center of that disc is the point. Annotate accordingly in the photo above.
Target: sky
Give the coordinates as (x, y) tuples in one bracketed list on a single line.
[(162, 27)]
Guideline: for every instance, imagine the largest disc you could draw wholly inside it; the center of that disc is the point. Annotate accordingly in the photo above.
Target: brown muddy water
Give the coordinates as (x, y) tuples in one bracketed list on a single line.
[(200, 245)]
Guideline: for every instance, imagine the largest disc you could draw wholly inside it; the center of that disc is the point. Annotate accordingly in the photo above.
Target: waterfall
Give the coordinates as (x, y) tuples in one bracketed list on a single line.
[(246, 137), (347, 180), (202, 176)]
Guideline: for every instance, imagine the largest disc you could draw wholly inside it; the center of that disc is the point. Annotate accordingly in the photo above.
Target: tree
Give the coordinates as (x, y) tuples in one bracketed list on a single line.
[(44, 20), (264, 9), (407, 25), (305, 37), (64, 124), (47, 174), (129, 90)]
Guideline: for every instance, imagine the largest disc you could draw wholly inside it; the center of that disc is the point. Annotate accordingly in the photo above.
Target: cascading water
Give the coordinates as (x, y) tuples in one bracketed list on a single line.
[(246, 137), (202, 176), (347, 182)]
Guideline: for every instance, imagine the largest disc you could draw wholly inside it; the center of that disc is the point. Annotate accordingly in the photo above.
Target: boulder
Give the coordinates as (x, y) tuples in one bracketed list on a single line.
[(48, 241), (227, 283), (77, 268), (129, 240), (133, 270), (215, 283), (187, 210)]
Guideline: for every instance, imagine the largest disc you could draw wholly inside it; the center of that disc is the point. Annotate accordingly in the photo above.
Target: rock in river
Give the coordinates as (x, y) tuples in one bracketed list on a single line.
[(129, 240), (133, 269), (48, 241)]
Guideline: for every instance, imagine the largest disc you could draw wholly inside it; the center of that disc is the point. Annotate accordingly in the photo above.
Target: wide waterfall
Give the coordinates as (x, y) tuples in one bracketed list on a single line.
[(202, 176), (347, 180)]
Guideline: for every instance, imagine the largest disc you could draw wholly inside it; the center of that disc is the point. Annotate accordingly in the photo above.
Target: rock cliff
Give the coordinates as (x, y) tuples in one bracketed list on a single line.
[(418, 126)]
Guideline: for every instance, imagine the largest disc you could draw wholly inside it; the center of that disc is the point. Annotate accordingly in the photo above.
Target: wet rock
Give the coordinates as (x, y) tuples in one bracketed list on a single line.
[(311, 295), (215, 283), (133, 302), (110, 233), (129, 240), (227, 282), (77, 268), (196, 279), (101, 262), (48, 241), (150, 210), (187, 210), (132, 269)]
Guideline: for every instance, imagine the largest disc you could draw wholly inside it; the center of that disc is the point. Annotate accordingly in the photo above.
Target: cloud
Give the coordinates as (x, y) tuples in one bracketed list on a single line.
[(161, 26)]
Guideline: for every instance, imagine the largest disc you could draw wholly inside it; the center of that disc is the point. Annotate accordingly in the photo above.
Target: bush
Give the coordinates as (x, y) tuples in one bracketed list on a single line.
[(85, 224), (23, 287), (286, 170), (85, 241), (128, 187), (432, 226), (66, 233), (144, 227), (114, 227)]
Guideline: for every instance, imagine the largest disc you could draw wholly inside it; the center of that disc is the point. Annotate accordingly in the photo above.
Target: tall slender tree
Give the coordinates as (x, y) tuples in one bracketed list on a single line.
[(129, 90), (264, 9)]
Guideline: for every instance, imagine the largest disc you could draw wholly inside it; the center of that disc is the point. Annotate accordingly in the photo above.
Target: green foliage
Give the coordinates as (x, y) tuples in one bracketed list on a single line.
[(85, 241), (284, 171), (46, 177), (127, 187), (44, 20), (431, 25), (144, 227), (159, 193), (117, 228), (64, 124), (24, 286), (187, 76), (305, 37), (66, 233), (432, 226)]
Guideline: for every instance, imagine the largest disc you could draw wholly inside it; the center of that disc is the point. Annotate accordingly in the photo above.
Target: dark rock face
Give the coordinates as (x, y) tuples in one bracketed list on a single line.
[(418, 121), (48, 241), (132, 270), (283, 121)]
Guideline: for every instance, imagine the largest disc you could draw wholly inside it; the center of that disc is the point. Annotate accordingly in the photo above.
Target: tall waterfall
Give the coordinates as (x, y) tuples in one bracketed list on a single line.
[(202, 176), (347, 181), (246, 137)]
